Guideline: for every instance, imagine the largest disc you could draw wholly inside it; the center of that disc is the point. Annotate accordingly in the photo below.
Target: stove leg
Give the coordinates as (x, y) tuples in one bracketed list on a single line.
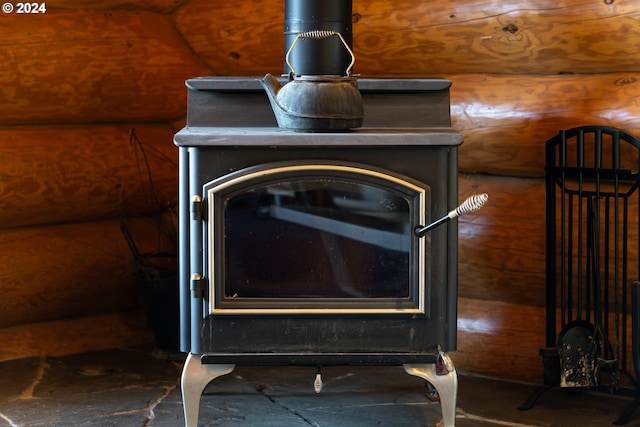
[(445, 381), (195, 377)]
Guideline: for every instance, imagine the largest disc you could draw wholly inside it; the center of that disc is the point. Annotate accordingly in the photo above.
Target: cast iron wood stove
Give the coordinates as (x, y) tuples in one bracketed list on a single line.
[(308, 246), (298, 248)]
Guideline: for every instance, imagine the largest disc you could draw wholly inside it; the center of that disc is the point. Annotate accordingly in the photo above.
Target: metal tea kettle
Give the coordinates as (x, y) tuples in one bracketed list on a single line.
[(316, 102)]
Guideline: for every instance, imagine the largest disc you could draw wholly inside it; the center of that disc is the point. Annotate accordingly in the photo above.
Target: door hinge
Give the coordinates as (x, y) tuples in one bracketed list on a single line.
[(198, 207), (198, 286)]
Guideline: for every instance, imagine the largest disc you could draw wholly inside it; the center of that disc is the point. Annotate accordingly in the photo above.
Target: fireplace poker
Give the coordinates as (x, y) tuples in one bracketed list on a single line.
[(132, 245), (471, 204)]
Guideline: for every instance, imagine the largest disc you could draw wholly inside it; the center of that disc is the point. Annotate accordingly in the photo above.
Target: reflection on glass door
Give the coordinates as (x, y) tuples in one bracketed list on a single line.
[(317, 238)]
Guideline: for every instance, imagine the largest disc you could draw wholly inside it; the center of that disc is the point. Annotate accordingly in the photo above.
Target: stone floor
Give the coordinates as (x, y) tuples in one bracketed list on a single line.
[(131, 387)]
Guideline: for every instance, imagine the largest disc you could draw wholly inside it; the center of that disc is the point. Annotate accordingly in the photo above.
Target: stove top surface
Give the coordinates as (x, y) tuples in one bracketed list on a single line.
[(365, 84), (273, 136)]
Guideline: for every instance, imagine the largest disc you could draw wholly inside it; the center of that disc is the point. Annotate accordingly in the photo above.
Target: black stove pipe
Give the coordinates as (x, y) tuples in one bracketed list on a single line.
[(318, 57)]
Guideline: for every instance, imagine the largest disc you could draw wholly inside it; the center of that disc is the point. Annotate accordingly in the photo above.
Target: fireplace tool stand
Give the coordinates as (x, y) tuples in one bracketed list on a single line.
[(592, 173)]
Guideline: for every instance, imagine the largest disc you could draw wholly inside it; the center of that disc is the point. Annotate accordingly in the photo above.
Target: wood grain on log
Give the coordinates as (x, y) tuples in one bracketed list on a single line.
[(480, 36), (505, 120), (73, 270), (63, 174), (500, 339), (75, 335), (235, 38), (430, 39), (502, 246), (503, 340), (91, 66)]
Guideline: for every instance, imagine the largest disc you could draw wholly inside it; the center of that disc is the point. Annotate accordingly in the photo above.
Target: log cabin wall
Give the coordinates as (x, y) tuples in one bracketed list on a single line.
[(85, 89)]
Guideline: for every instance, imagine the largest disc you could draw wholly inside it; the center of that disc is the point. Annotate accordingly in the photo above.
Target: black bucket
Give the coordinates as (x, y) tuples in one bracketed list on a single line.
[(156, 277), (158, 289)]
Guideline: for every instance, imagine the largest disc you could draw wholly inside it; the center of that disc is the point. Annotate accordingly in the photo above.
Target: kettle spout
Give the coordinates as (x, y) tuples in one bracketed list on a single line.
[(272, 86)]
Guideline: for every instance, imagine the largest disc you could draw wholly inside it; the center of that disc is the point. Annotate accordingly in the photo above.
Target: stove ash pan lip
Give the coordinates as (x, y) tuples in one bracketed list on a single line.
[(362, 216)]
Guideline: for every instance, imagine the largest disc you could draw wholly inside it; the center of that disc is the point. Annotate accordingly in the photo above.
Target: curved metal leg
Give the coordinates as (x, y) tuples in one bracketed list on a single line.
[(195, 377), (445, 381)]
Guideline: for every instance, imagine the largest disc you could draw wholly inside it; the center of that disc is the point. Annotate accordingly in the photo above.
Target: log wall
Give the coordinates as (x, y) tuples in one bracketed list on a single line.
[(75, 81), (92, 94)]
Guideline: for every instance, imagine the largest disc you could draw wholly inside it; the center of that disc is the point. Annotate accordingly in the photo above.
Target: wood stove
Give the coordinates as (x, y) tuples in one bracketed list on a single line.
[(298, 248)]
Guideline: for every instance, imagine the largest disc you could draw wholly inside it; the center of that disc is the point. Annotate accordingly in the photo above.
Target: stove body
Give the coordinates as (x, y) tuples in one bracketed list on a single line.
[(297, 248)]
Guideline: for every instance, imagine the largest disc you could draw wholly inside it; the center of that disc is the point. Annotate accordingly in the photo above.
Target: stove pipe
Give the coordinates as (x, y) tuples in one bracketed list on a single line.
[(318, 57)]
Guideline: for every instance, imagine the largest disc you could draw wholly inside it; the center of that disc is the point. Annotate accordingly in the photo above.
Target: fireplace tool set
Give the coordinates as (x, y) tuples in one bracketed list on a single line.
[(592, 174), (302, 204)]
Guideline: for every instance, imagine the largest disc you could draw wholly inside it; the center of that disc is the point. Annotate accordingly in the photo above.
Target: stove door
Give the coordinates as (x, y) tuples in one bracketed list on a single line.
[(315, 237)]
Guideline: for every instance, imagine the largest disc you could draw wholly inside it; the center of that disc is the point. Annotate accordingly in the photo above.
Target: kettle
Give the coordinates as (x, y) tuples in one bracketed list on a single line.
[(316, 102)]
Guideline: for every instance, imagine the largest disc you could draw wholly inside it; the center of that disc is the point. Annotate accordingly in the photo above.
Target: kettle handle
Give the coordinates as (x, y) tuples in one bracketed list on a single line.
[(319, 34)]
